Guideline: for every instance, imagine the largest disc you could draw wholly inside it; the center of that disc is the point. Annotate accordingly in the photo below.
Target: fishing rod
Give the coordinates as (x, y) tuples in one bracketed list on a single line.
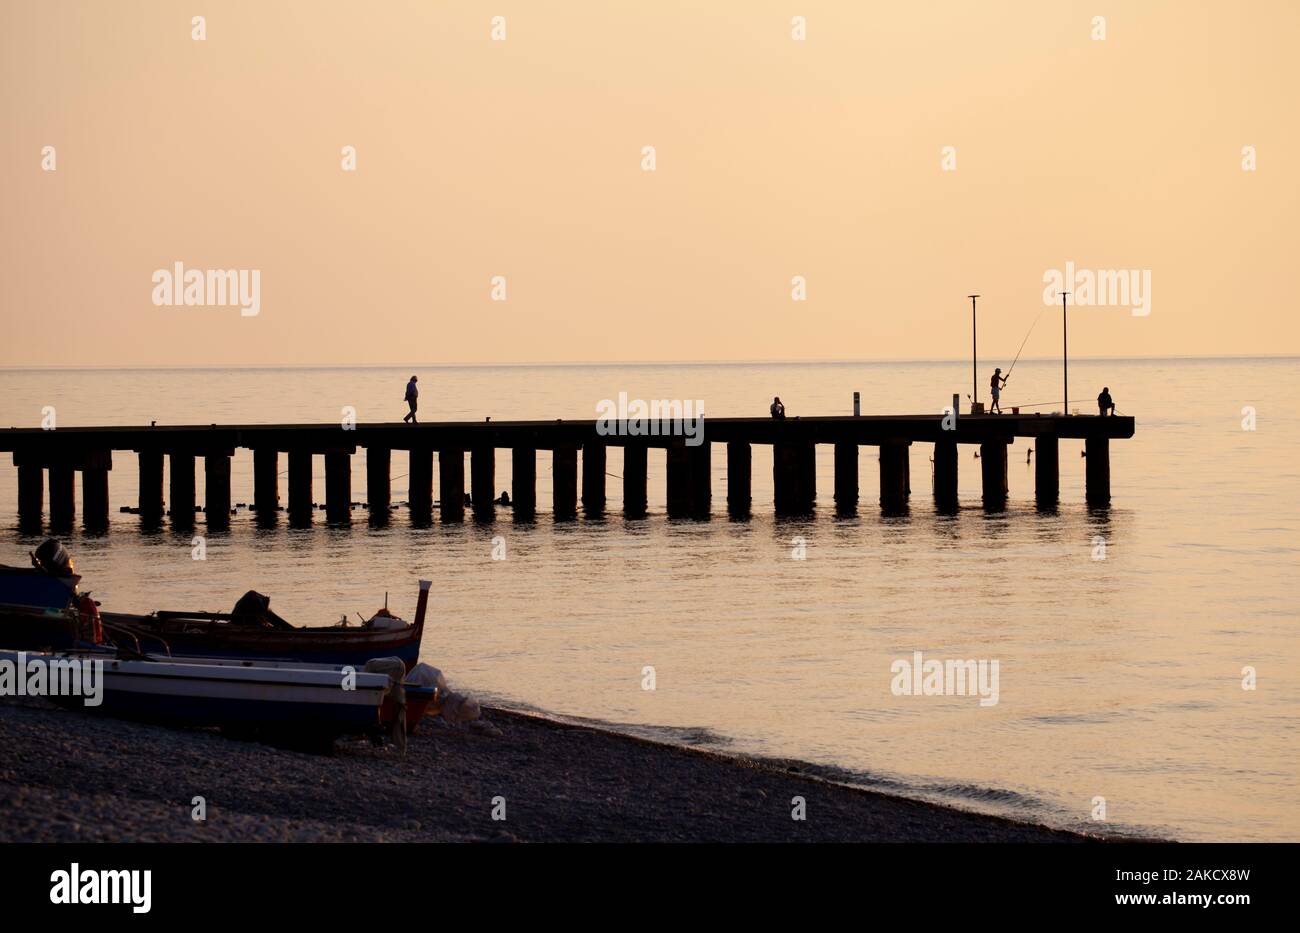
[(1023, 342)]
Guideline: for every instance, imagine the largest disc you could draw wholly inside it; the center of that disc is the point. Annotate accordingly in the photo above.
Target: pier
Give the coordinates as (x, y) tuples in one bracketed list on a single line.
[(57, 456)]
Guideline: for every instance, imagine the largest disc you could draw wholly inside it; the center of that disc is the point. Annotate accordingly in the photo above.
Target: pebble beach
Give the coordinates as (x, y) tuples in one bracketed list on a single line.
[(71, 777)]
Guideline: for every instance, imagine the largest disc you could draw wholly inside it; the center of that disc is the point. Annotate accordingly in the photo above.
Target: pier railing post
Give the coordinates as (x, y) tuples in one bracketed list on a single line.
[(151, 488), (846, 478), (180, 493), (895, 476), (564, 482), (338, 486), (482, 482), (593, 478), (993, 472), (451, 485), (420, 486), (740, 470), (300, 487), (1097, 470), (523, 482), (1047, 470), (945, 475), (636, 459), (216, 490)]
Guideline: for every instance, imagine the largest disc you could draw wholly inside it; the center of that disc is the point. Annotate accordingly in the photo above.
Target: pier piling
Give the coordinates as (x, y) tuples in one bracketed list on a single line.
[(740, 469), (636, 458), (895, 476), (1097, 470), (523, 482), (846, 478), (216, 490), (1047, 472), (593, 478), (420, 486), (689, 487), (63, 497), (564, 482), (945, 476), (482, 482), (379, 484), (338, 486), (180, 493), (94, 491), (794, 477), (151, 487), (993, 471), (300, 487), (451, 485), (31, 496)]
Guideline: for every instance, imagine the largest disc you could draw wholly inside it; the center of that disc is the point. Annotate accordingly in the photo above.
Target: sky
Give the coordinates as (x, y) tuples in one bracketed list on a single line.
[(829, 180)]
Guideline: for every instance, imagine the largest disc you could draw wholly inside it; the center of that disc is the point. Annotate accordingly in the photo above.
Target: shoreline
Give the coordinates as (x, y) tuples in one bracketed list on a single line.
[(76, 777)]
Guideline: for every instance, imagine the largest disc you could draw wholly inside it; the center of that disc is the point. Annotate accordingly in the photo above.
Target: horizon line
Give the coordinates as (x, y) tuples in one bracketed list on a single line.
[(596, 363)]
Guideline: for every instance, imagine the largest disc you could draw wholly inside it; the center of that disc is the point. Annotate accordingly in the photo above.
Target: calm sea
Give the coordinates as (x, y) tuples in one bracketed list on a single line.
[(1120, 678)]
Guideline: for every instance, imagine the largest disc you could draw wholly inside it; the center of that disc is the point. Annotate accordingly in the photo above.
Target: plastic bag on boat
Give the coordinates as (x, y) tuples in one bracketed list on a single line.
[(426, 675)]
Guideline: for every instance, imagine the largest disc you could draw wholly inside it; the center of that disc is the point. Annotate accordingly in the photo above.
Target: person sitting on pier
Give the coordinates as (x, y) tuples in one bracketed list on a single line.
[(996, 384), (412, 393), (777, 409), (1105, 403)]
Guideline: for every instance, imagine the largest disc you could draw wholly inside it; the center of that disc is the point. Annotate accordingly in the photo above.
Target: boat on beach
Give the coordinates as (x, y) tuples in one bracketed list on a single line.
[(41, 608)]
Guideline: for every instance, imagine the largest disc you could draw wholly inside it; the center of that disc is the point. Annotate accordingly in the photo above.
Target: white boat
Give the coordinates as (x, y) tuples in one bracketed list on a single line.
[(314, 701)]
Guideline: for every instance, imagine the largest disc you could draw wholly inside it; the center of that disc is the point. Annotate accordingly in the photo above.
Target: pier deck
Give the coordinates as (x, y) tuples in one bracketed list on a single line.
[(63, 452)]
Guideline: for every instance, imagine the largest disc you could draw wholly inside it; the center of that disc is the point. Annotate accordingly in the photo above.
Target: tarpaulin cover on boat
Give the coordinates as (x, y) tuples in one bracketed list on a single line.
[(20, 586)]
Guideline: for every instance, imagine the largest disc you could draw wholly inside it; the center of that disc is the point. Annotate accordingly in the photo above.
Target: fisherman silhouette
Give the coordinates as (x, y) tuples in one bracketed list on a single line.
[(412, 394), (1105, 403), (997, 389)]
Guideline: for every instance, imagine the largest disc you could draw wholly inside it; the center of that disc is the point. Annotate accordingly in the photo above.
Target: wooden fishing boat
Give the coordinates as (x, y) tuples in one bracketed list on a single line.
[(226, 635)]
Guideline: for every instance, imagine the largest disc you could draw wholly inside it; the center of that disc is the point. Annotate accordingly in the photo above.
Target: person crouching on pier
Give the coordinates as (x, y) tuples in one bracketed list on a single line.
[(1105, 403), (996, 384), (412, 393), (777, 409)]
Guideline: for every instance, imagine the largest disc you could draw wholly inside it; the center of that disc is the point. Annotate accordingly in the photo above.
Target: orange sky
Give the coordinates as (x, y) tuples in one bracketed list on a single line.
[(522, 158)]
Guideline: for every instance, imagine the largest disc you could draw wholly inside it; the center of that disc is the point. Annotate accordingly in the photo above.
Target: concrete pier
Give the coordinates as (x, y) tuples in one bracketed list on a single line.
[(740, 470), (338, 486), (564, 482), (523, 482), (451, 485), (1097, 471), (482, 482), (895, 477), (180, 489), (993, 471), (636, 462), (420, 485), (1047, 471), (216, 490), (593, 478), (945, 476), (150, 488), (794, 441), (846, 478), (379, 483), (300, 487)]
